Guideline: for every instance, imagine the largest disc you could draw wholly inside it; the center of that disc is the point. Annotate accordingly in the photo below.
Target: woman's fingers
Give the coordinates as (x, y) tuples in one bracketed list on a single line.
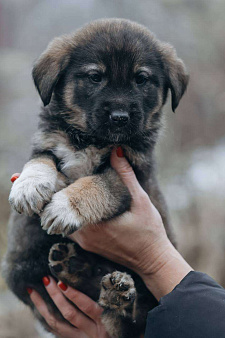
[(83, 302), (69, 312), (14, 177), (60, 328)]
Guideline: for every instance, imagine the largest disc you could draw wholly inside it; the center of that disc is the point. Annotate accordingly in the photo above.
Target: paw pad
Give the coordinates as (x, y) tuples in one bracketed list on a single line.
[(118, 291), (67, 263), (59, 252)]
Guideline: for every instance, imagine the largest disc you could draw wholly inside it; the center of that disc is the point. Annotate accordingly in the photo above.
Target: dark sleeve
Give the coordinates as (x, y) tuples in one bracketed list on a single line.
[(194, 309)]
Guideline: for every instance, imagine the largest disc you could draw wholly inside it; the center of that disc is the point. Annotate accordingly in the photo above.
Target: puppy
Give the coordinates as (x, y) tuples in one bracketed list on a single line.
[(103, 86)]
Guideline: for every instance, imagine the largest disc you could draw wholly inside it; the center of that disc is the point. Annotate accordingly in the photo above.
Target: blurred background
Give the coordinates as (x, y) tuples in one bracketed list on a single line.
[(191, 151)]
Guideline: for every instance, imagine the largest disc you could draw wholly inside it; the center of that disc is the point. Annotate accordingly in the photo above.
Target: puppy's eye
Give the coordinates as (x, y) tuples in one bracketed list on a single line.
[(141, 79), (95, 78)]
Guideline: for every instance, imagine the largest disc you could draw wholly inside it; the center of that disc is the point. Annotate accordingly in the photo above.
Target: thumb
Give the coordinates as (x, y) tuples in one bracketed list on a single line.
[(124, 170)]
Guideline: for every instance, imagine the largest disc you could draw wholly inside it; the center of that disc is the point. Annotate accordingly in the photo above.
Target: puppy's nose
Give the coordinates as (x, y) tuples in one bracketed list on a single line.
[(119, 118)]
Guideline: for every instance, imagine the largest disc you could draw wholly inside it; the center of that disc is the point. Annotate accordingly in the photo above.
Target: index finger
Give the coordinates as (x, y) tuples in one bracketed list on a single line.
[(89, 307)]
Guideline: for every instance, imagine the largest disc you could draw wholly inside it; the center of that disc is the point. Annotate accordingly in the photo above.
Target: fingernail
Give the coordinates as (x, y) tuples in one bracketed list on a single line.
[(46, 281), (119, 152), (29, 290), (14, 177), (62, 286)]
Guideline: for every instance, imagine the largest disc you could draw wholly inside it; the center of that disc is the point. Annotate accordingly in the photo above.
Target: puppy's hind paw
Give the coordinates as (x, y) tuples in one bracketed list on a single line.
[(117, 292), (68, 264), (59, 217)]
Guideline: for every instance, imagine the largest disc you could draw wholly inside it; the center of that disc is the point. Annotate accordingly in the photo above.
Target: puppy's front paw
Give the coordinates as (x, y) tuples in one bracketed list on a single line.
[(117, 292), (34, 188), (59, 217)]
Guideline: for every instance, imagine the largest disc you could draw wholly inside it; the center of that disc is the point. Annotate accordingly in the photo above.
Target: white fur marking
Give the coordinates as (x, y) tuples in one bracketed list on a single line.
[(59, 217), (77, 164), (34, 188)]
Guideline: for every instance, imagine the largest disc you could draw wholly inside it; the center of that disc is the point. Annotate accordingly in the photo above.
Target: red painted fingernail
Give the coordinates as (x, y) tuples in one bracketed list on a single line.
[(29, 290), (62, 286), (14, 177), (119, 152), (46, 280)]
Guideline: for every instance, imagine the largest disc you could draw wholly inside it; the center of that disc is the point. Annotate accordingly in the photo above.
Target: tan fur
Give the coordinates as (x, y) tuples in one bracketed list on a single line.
[(149, 123), (44, 160), (141, 68), (90, 197), (78, 117), (87, 201), (68, 94)]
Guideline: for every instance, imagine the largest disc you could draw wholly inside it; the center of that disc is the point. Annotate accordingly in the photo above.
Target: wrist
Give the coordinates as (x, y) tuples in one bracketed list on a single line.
[(166, 271)]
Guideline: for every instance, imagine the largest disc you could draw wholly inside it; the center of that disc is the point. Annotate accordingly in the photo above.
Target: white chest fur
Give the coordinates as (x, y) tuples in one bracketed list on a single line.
[(73, 163), (79, 163)]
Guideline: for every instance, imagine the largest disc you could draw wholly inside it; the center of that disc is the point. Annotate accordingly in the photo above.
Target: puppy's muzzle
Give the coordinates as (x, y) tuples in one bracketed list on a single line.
[(119, 118)]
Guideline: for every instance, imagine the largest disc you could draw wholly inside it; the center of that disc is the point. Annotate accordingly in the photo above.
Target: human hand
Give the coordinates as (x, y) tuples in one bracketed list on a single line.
[(137, 239), (84, 317)]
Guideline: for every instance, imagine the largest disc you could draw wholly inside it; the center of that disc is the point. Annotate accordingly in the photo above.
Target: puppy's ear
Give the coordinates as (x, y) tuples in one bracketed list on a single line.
[(50, 66), (177, 77)]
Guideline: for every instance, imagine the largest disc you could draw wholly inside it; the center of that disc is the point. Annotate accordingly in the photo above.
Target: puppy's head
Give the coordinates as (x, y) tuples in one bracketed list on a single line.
[(110, 79)]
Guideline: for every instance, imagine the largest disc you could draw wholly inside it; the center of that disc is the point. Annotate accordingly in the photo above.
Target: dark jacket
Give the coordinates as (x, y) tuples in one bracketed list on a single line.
[(194, 309)]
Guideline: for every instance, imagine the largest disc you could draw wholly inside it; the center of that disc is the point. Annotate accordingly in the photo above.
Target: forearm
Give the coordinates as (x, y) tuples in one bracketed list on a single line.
[(167, 271)]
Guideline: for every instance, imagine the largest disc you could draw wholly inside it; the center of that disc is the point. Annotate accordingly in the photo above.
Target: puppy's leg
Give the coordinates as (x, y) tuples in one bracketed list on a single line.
[(78, 268), (118, 299), (87, 201), (88, 273), (34, 188)]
